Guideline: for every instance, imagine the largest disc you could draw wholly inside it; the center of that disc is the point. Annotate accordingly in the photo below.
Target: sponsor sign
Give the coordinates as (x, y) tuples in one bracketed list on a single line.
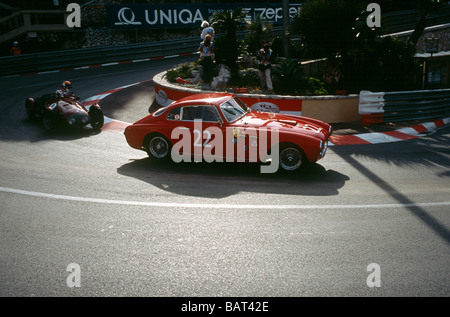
[(148, 16), (265, 107)]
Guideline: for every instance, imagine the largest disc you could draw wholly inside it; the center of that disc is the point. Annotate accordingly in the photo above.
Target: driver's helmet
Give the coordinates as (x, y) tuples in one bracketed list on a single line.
[(67, 86)]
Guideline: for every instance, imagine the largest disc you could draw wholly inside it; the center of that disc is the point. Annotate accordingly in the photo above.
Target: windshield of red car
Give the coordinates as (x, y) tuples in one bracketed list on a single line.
[(233, 109)]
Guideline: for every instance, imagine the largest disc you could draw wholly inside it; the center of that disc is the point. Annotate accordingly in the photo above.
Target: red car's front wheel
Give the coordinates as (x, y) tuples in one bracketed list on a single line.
[(291, 158), (49, 121)]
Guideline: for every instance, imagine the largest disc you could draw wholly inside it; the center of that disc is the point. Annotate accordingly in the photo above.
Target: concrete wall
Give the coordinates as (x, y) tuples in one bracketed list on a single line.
[(331, 109)]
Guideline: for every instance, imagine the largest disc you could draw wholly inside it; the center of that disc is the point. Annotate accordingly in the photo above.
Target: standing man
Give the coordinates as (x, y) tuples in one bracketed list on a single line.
[(15, 49), (265, 64), (207, 30), (206, 50)]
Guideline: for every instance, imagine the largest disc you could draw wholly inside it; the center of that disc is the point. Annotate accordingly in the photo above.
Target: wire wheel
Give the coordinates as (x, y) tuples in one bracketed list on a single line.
[(49, 121), (158, 147), (97, 119), (291, 158)]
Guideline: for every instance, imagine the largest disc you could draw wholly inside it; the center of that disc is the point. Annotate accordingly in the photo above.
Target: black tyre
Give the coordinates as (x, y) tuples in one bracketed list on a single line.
[(29, 107), (49, 121), (158, 147), (291, 158), (97, 119)]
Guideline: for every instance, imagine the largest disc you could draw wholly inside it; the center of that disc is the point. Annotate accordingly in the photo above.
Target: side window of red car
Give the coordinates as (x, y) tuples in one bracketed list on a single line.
[(204, 113), (191, 113), (174, 114), (210, 114)]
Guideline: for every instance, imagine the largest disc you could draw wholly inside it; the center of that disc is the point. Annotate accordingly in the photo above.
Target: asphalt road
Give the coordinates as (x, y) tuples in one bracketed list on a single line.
[(136, 228)]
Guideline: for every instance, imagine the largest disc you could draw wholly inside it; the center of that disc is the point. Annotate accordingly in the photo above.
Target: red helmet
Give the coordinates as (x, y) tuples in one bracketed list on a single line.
[(66, 85)]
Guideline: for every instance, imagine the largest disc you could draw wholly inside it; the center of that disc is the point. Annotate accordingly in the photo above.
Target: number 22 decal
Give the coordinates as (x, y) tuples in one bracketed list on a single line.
[(198, 137)]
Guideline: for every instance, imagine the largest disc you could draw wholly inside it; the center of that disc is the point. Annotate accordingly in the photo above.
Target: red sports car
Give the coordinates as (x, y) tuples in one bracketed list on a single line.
[(220, 127)]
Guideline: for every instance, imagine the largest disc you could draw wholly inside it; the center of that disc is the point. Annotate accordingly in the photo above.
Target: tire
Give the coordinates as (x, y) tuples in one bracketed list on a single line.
[(291, 158), (49, 121), (29, 105), (158, 147), (97, 119)]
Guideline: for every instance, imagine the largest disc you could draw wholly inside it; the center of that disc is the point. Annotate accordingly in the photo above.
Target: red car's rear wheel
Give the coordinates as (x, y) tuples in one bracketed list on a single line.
[(158, 147)]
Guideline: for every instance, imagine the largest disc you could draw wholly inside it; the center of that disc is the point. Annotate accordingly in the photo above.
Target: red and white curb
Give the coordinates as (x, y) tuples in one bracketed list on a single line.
[(110, 124), (402, 134)]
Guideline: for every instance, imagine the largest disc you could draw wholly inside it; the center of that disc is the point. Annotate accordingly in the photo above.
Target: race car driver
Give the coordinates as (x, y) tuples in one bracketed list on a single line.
[(66, 90)]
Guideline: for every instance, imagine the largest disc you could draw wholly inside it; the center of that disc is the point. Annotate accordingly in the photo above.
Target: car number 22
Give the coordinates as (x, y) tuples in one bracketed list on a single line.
[(198, 138)]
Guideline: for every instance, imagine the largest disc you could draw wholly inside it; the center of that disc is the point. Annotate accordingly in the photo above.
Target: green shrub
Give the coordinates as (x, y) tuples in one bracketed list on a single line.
[(183, 70), (249, 78), (289, 78)]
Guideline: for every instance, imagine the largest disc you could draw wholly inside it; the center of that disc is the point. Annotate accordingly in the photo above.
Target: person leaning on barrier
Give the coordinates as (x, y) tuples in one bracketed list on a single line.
[(265, 57), (207, 30), (206, 50)]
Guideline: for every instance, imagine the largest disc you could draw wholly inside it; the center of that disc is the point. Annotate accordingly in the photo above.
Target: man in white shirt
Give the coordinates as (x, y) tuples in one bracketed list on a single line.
[(207, 30)]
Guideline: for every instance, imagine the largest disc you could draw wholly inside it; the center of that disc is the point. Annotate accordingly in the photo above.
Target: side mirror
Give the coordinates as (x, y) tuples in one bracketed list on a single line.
[(220, 123)]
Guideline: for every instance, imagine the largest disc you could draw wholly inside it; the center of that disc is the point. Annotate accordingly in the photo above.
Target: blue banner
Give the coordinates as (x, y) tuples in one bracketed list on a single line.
[(148, 16)]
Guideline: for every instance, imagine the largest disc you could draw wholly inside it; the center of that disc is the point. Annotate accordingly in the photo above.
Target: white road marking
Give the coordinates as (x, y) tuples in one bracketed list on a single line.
[(214, 206)]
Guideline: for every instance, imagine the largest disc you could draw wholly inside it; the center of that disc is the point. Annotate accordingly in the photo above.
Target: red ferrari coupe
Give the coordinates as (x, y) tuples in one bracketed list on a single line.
[(220, 127)]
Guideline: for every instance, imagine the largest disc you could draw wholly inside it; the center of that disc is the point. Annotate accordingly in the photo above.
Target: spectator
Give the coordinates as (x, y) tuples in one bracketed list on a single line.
[(207, 30), (206, 50), (265, 64), (15, 49)]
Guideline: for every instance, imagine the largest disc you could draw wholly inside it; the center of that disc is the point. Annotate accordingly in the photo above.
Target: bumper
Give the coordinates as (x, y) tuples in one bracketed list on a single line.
[(78, 120)]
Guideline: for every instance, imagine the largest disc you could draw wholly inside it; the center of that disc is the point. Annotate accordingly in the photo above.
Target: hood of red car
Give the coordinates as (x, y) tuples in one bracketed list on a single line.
[(285, 123), (68, 108)]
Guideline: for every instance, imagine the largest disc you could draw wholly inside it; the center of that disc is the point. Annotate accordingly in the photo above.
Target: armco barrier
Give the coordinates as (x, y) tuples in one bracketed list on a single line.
[(41, 62), (381, 107), (27, 63), (331, 109)]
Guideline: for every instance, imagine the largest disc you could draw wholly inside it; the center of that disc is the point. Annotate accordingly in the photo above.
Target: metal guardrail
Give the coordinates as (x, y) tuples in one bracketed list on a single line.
[(400, 106), (406, 20), (40, 62)]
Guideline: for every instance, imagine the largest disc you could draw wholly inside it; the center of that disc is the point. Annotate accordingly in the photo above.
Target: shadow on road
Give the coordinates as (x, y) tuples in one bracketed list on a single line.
[(424, 152), (33, 131), (130, 104), (219, 180)]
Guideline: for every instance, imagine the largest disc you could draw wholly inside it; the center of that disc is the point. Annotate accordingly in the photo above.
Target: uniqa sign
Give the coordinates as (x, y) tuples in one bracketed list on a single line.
[(126, 17), (145, 16)]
